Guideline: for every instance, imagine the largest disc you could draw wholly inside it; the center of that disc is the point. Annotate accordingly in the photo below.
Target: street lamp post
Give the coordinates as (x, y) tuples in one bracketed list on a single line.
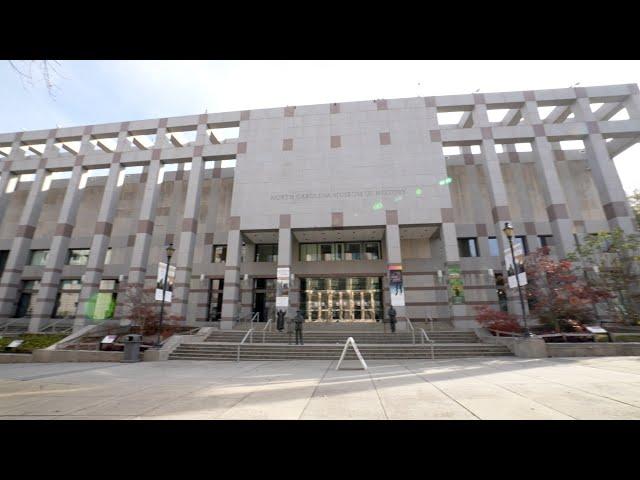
[(170, 251), (508, 231)]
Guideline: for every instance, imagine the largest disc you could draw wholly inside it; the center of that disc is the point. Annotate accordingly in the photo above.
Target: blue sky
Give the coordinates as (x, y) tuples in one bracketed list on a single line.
[(90, 92)]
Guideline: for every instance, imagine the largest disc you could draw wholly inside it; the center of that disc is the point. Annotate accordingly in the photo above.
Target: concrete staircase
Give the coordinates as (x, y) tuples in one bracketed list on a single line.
[(260, 351), (325, 344)]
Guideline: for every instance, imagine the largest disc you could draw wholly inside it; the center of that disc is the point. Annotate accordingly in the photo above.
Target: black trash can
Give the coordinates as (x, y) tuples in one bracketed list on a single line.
[(132, 343)]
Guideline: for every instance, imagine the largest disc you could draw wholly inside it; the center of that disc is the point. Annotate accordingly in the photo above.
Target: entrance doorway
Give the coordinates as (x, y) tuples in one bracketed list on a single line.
[(264, 297), (349, 299)]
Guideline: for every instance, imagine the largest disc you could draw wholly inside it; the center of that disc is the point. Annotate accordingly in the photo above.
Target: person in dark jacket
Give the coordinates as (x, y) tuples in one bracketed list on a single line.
[(299, 320), (280, 321), (392, 319)]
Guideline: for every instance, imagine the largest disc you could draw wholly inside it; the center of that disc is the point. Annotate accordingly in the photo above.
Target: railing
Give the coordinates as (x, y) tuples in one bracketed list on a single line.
[(425, 338), (264, 330), (254, 318), (413, 331), (244, 339), (53, 324)]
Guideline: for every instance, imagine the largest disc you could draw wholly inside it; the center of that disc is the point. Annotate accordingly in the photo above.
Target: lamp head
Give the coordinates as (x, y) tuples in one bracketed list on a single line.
[(508, 229), (170, 250)]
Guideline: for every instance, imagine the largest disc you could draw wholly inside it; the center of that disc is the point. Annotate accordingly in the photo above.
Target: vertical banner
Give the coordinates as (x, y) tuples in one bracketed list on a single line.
[(456, 285), (396, 289), (282, 287), (162, 268), (519, 265)]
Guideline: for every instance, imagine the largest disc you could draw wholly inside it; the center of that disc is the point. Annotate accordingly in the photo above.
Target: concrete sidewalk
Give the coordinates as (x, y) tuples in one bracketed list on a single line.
[(482, 388)]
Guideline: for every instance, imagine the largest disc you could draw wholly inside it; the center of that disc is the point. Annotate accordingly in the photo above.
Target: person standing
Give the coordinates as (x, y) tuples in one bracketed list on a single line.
[(299, 320), (392, 318)]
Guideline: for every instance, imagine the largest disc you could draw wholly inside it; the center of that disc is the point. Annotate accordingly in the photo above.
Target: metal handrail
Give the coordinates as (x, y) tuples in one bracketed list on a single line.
[(264, 330), (424, 337), (413, 331), (498, 332), (244, 339), (253, 318)]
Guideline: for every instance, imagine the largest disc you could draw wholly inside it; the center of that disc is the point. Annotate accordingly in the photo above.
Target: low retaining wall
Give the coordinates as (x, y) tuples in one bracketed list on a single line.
[(76, 356), (593, 349), (16, 358)]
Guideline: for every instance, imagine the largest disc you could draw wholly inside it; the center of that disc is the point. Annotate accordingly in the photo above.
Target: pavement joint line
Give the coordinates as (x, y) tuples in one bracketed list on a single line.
[(315, 389), (47, 375), (384, 410), (525, 397), (575, 388), (442, 391)]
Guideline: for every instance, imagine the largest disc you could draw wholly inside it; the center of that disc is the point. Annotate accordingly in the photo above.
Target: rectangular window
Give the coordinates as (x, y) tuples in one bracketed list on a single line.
[(372, 251), (326, 252), (267, 252), (219, 254), (546, 240), (523, 241), (39, 257), (67, 300), (309, 252), (468, 247), (105, 303), (78, 257), (4, 254), (27, 298), (352, 251), (494, 248), (214, 308)]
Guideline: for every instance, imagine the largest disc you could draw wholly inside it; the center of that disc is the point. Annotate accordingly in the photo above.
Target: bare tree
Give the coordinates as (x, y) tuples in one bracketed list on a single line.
[(47, 68)]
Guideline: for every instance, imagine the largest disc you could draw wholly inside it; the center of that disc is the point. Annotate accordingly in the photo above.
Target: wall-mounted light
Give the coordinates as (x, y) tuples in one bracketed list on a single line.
[(596, 269), (440, 274), (490, 272), (202, 277), (121, 278)]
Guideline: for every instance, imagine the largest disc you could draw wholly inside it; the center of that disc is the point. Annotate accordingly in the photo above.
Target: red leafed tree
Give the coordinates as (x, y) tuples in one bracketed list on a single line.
[(558, 295), (497, 320), (141, 307)]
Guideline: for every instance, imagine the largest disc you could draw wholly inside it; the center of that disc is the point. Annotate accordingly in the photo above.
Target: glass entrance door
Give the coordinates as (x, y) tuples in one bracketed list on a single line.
[(264, 297), (350, 299)]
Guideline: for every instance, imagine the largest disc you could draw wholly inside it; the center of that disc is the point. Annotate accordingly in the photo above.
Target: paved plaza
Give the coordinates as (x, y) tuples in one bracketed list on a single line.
[(483, 388)]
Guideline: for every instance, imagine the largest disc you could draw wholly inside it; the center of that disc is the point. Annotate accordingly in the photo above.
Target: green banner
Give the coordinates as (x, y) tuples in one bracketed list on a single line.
[(456, 287)]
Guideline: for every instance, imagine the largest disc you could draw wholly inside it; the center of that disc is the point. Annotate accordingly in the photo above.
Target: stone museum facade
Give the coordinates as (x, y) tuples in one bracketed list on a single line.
[(309, 207)]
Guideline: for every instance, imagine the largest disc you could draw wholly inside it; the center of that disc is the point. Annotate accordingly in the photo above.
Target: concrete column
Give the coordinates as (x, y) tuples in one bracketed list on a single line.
[(50, 282), (184, 254), (140, 255), (246, 286), (500, 210), (603, 170), (19, 253), (231, 292), (5, 178), (394, 258), (285, 254), (101, 239), (554, 197)]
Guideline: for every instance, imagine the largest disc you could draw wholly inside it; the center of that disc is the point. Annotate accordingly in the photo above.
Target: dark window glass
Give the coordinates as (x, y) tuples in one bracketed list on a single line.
[(522, 240), (4, 254), (78, 257), (214, 307), (372, 250), (219, 254), (309, 252), (546, 240), (39, 257), (468, 247), (67, 300), (500, 291), (494, 247), (27, 298), (266, 252), (326, 252), (352, 251)]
